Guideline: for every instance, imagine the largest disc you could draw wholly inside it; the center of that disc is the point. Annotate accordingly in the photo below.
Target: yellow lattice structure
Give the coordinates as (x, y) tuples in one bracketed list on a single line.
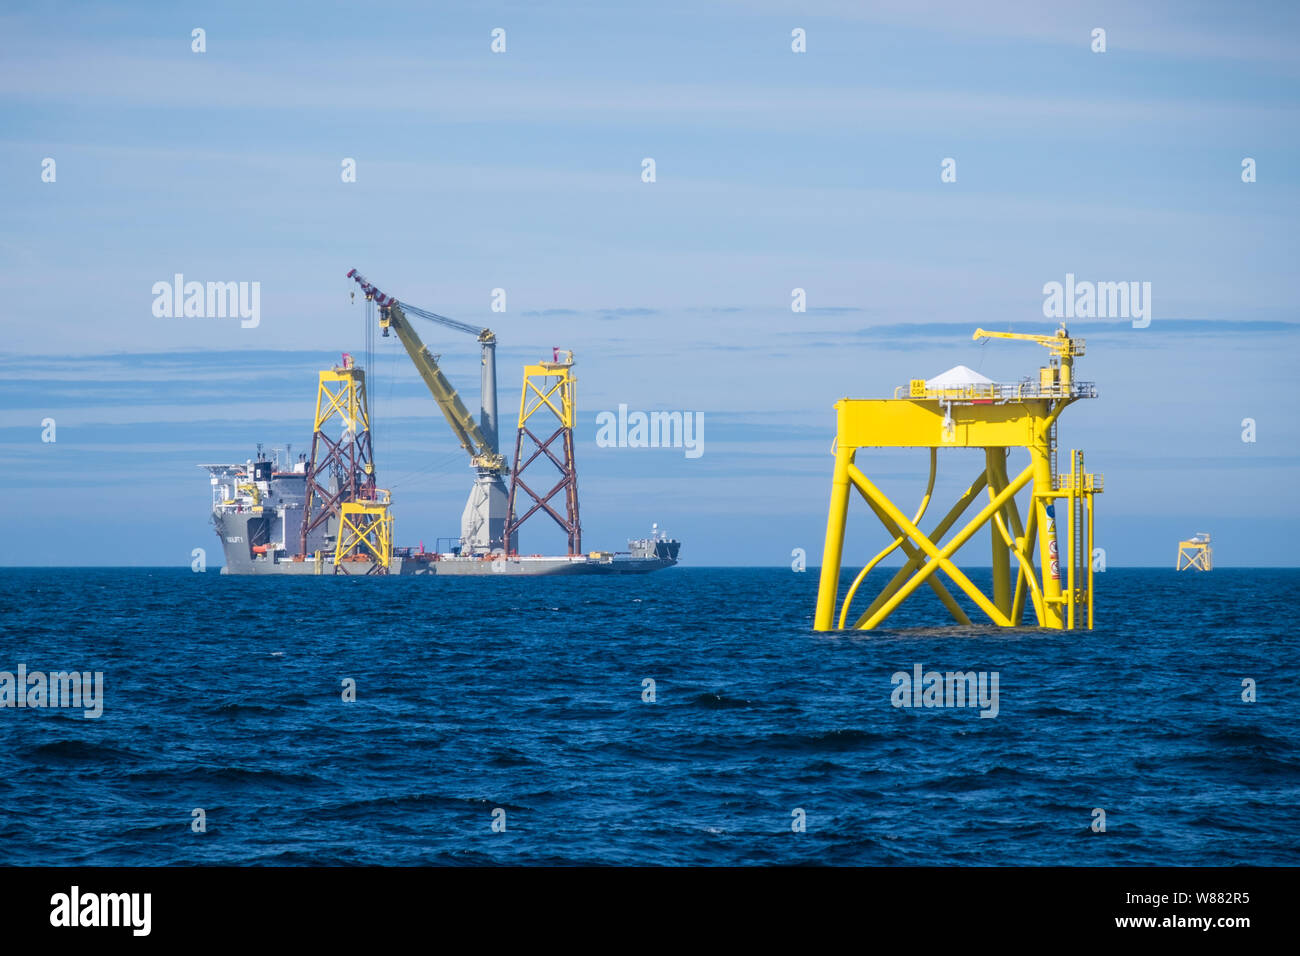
[(551, 385), (996, 419), (365, 535), (1196, 553), (341, 393)]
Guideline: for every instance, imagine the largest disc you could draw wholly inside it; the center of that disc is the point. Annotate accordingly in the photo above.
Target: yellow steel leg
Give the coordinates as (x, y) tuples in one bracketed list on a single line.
[(1016, 541), (829, 584), (1048, 547), (1027, 548), (1022, 548), (1070, 532), (1089, 503), (1001, 556), (899, 540)]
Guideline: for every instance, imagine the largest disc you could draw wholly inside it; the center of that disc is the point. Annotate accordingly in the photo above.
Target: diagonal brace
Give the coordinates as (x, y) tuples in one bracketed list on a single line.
[(940, 557)]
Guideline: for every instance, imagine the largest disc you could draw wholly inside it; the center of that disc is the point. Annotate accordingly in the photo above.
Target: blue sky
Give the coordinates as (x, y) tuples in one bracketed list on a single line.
[(522, 171)]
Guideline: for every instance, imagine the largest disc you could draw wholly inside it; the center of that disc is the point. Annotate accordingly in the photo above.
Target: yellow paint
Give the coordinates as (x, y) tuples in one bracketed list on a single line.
[(550, 385), (365, 528), (997, 419), (1195, 553), (341, 392), (462, 422)]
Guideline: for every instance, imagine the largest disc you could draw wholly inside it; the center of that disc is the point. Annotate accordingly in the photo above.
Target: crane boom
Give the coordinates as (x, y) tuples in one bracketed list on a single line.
[(478, 440), (483, 522), (1058, 374), (483, 453), (1059, 344)]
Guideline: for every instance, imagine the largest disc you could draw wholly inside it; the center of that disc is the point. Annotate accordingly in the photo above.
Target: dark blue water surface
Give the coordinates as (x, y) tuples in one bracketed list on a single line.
[(225, 693)]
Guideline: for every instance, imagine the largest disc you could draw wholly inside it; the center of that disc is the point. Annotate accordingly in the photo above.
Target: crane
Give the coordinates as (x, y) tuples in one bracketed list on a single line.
[(1063, 350), (484, 519)]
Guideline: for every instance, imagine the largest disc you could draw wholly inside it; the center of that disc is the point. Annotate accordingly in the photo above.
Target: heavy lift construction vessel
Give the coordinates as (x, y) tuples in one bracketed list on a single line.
[(324, 514)]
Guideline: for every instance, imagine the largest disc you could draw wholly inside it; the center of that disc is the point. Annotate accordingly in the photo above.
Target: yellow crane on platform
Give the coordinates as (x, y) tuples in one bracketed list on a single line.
[(1196, 553), (965, 410), (1063, 349)]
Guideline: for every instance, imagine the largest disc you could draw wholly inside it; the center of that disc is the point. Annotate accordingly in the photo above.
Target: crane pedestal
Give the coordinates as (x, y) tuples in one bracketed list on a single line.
[(996, 419), (483, 522)]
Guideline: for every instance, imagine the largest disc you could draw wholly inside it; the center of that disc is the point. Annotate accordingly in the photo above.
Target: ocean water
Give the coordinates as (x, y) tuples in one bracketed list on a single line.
[(526, 696)]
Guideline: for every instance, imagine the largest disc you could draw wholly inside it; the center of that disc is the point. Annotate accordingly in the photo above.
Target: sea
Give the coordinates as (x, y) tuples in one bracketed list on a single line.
[(686, 717)]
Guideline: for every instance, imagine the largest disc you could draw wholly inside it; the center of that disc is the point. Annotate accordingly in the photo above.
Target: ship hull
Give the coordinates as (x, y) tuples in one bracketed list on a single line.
[(540, 566), (453, 567), (241, 532)]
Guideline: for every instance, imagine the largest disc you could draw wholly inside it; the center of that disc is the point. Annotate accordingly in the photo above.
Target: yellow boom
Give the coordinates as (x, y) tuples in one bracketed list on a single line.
[(467, 431), (1063, 349)]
